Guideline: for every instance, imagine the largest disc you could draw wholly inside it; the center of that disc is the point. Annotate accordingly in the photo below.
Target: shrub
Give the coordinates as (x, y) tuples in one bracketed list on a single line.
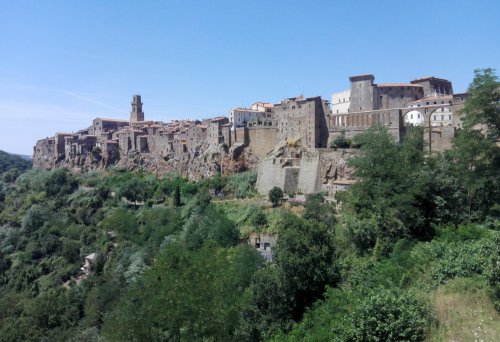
[(60, 182), (276, 196), (341, 141), (242, 184), (389, 316)]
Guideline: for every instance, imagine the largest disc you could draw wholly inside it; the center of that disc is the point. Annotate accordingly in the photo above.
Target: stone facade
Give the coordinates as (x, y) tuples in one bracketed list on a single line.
[(302, 120)]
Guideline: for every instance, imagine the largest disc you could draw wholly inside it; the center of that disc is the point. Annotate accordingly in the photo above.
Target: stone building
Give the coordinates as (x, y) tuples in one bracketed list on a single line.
[(259, 111), (219, 131), (302, 120), (426, 101), (196, 137), (442, 116), (433, 86)]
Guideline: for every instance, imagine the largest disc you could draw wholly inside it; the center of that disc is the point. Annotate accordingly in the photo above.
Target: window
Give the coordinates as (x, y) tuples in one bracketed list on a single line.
[(435, 117), (442, 117), (401, 96), (418, 115), (411, 116), (449, 117)]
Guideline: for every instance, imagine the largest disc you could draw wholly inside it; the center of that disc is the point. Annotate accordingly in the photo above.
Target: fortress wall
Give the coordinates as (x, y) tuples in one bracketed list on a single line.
[(270, 174), (261, 140), (291, 179), (239, 136), (310, 176), (442, 138)]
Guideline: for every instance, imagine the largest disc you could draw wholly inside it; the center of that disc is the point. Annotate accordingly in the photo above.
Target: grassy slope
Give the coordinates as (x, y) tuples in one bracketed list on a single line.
[(464, 311)]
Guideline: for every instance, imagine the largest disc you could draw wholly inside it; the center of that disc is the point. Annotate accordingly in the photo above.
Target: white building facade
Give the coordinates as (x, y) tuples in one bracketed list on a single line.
[(239, 117), (441, 116), (341, 102)]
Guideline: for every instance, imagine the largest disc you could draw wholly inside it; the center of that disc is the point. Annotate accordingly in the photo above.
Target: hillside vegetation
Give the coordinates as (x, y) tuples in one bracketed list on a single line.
[(15, 164), (412, 253)]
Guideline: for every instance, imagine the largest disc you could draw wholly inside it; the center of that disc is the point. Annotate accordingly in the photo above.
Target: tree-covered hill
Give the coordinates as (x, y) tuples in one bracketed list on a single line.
[(10, 161)]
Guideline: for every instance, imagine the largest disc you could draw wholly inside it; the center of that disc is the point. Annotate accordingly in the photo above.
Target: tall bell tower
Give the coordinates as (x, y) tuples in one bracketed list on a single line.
[(136, 115)]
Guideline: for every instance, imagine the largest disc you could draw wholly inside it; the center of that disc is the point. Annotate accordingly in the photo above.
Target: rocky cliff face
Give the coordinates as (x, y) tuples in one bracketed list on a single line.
[(238, 158)]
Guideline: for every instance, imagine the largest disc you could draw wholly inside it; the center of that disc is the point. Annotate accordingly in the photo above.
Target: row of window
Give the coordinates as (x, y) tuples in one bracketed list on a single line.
[(435, 117)]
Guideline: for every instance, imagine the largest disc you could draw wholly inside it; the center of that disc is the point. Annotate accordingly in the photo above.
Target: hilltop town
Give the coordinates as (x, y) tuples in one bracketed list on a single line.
[(288, 143)]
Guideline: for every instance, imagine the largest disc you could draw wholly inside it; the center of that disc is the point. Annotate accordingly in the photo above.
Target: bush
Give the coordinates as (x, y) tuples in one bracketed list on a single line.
[(60, 182), (242, 184), (276, 196), (35, 218), (389, 316), (341, 141)]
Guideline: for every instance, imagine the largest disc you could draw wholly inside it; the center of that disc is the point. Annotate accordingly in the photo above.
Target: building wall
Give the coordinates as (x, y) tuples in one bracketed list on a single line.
[(100, 127), (433, 86), (397, 96), (261, 140), (239, 117), (292, 175), (341, 102), (196, 137), (301, 119), (362, 93)]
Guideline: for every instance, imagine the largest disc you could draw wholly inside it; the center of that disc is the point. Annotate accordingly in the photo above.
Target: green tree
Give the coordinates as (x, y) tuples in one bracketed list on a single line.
[(60, 182), (209, 223), (186, 296), (316, 209), (475, 155), (304, 265), (482, 107), (306, 254), (177, 197), (269, 305), (390, 186), (276, 196)]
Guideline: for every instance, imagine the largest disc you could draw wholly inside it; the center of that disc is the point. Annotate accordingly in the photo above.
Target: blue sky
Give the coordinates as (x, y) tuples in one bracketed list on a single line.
[(63, 63)]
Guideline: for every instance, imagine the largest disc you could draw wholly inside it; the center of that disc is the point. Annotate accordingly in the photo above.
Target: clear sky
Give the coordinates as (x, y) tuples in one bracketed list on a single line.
[(63, 63)]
